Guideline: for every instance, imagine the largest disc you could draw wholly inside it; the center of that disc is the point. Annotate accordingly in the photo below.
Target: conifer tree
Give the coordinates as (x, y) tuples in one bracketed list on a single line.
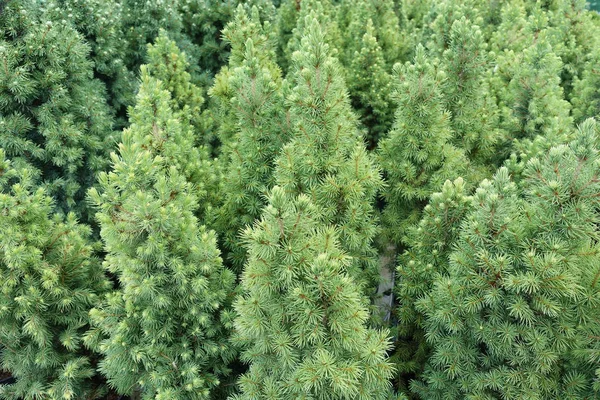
[(168, 64), (243, 26), (164, 332), (512, 314), (326, 13), (417, 156), (474, 114), (369, 86), (428, 245), (586, 90), (53, 114), (533, 102), (326, 158), (50, 280), (301, 315), (100, 22), (263, 124)]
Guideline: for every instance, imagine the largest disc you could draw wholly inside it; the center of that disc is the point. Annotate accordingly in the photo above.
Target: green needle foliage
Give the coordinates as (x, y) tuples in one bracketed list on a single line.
[(264, 127), (369, 84), (50, 279), (417, 156), (515, 309), (53, 114), (586, 91), (168, 64), (164, 332), (243, 26), (474, 112), (326, 157), (301, 315), (428, 246), (100, 22)]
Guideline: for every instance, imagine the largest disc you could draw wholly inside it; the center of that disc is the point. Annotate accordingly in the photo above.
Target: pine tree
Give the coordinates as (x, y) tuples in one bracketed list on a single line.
[(164, 332), (326, 158), (243, 26), (369, 86), (326, 13), (417, 156), (301, 315), (50, 280), (428, 245), (474, 114), (53, 114), (533, 102), (167, 63), (514, 311), (263, 129), (100, 22), (586, 90)]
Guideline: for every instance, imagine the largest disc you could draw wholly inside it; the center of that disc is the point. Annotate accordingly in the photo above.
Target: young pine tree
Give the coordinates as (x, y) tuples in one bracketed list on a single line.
[(263, 129), (417, 156), (513, 313), (164, 332), (326, 157), (50, 281), (100, 22), (474, 114), (428, 245), (301, 315), (586, 89), (53, 114), (533, 103), (168, 64), (242, 27), (369, 84)]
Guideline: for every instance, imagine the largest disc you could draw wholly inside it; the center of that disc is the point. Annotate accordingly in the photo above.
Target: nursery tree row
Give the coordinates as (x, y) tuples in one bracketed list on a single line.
[(299, 199)]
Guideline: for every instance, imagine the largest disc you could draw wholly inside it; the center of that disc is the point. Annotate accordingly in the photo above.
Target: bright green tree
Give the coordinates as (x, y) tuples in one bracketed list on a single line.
[(301, 315), (167, 63), (245, 25), (50, 280), (263, 129), (100, 22), (163, 333), (428, 245), (533, 102), (326, 157), (417, 156), (514, 311), (369, 84), (53, 114), (474, 114), (586, 89)]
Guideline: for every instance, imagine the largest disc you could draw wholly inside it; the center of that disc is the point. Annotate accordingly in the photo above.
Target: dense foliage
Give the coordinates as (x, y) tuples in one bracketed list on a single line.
[(299, 199)]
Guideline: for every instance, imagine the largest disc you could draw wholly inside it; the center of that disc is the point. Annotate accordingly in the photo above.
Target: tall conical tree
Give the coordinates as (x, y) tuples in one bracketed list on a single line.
[(164, 332), (50, 281), (100, 22), (53, 114), (533, 102), (167, 63), (369, 84), (242, 27), (586, 90), (417, 156), (474, 114), (264, 128), (326, 158), (428, 246), (302, 316), (513, 313)]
